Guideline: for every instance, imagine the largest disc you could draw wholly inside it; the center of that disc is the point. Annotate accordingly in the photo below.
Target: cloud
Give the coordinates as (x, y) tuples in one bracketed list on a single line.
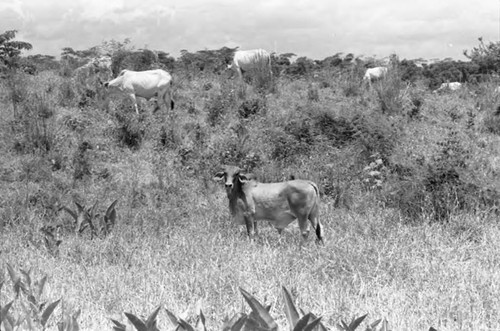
[(315, 29)]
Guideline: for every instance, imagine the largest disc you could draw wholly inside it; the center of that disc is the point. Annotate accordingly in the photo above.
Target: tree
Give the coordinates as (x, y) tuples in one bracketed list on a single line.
[(485, 56), (9, 60), (11, 49)]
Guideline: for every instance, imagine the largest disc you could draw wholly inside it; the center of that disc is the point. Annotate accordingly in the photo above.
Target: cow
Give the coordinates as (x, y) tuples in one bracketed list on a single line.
[(255, 59), (279, 203), (454, 86), (373, 74), (144, 84)]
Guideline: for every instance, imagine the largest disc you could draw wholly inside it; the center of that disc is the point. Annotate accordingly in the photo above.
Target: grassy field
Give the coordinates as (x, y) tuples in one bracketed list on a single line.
[(394, 248)]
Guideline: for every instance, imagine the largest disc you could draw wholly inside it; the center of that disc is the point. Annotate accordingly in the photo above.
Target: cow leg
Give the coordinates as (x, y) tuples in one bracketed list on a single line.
[(318, 228), (167, 99), (250, 223), (157, 102), (304, 227), (132, 96)]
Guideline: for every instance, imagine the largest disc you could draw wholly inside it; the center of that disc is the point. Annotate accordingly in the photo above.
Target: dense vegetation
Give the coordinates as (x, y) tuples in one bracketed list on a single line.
[(408, 181)]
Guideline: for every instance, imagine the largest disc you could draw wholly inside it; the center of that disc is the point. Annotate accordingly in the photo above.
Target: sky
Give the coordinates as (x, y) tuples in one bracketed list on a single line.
[(429, 29)]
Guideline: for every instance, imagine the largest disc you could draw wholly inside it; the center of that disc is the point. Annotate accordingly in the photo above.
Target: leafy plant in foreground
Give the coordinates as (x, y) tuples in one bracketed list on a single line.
[(88, 217), (37, 312)]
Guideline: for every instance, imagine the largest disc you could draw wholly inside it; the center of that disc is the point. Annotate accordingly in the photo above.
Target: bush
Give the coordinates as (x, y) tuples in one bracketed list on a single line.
[(492, 121), (350, 81), (286, 145), (338, 130), (375, 135), (389, 92), (218, 105), (439, 188), (252, 107), (35, 125), (130, 129)]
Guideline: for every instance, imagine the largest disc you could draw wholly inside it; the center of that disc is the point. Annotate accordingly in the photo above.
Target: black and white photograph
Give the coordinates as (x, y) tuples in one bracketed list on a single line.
[(238, 165)]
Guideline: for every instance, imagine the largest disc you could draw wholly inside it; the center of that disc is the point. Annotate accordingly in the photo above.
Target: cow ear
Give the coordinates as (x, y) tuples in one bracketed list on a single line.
[(219, 176), (243, 178)]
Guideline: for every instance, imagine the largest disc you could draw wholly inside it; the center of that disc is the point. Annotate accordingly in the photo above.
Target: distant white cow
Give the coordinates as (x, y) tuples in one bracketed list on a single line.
[(252, 59), (145, 84), (373, 74), (454, 86)]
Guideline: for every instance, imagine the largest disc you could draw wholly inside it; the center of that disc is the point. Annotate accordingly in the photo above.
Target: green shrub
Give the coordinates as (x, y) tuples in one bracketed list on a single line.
[(338, 130), (130, 129), (389, 91), (491, 121), (218, 106), (375, 135), (35, 125), (252, 107)]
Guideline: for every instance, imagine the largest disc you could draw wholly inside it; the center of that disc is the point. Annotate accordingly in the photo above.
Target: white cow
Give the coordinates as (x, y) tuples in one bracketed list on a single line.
[(374, 74), (144, 84), (251, 59), (454, 86)]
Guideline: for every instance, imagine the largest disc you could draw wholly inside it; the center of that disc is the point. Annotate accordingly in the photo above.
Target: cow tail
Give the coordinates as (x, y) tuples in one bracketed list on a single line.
[(319, 227)]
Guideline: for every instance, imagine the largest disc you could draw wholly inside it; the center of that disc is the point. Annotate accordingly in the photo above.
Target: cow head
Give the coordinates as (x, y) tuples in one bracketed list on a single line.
[(233, 178)]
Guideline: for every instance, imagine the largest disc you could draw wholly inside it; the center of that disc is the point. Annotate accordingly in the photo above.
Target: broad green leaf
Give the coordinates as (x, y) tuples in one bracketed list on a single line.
[(292, 315), (48, 311), (321, 327), (7, 325), (262, 314), (4, 311), (301, 323), (356, 322), (200, 323), (342, 326), (16, 280), (31, 299), (185, 325), (254, 325), (118, 326), (151, 321), (41, 285), (172, 318), (137, 322), (312, 325), (27, 276), (12, 273), (235, 323), (373, 325), (238, 324)]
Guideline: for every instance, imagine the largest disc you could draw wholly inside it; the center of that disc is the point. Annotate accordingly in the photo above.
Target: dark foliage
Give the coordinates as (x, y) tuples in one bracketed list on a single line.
[(130, 129), (251, 107)]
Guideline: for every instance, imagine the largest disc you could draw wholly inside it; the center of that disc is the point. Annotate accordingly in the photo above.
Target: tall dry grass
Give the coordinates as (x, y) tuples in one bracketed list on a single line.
[(386, 254)]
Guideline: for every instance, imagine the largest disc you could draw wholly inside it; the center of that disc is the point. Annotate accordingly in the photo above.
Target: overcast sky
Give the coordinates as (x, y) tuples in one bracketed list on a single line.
[(312, 28)]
